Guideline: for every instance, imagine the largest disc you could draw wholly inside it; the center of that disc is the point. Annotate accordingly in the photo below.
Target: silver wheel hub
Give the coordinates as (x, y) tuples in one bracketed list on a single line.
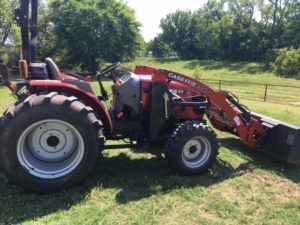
[(196, 152), (50, 149)]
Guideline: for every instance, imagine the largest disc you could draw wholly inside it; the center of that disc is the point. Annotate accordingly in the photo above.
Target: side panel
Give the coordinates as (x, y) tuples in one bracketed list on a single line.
[(92, 100)]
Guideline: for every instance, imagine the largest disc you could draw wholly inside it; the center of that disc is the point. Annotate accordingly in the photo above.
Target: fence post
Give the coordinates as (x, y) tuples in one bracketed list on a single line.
[(266, 92), (220, 83)]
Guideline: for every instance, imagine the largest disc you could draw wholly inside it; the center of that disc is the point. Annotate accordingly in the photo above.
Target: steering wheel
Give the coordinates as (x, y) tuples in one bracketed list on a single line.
[(107, 70)]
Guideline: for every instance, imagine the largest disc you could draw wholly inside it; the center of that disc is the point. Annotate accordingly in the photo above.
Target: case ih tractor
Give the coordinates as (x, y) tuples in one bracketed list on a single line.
[(52, 136)]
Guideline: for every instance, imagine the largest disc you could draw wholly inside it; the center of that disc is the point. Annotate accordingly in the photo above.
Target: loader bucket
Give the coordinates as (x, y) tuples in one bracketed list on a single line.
[(282, 140)]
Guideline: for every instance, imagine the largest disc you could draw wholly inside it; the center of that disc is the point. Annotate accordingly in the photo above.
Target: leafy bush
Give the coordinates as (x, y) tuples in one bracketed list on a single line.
[(287, 63), (9, 55), (5, 58), (197, 72)]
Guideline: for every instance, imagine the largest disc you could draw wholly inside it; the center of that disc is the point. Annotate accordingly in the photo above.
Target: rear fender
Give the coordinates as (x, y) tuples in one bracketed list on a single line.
[(92, 100)]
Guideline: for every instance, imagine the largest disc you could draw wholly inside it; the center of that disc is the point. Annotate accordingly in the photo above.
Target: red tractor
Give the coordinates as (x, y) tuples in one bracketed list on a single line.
[(52, 136)]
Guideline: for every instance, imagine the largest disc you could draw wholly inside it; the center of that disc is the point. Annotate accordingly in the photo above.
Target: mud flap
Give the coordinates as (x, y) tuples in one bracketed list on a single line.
[(282, 140)]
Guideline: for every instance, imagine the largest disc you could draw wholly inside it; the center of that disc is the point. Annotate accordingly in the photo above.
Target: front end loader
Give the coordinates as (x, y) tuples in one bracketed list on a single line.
[(52, 136)]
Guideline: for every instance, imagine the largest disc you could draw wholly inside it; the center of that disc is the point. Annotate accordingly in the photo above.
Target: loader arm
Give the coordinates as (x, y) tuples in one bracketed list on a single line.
[(223, 111), (226, 114)]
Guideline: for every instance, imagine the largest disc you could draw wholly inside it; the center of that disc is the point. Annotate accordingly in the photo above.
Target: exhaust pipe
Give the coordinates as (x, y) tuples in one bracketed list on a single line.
[(281, 140)]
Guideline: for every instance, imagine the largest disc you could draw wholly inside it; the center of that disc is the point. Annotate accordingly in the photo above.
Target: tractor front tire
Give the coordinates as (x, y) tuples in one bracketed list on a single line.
[(49, 142), (192, 148)]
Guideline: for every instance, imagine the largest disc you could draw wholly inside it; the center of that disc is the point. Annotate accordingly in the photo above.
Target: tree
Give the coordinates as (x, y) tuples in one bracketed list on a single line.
[(206, 25), (291, 35), (7, 8), (6, 21), (93, 30), (176, 32), (246, 38), (159, 47), (280, 19), (9, 33), (46, 34)]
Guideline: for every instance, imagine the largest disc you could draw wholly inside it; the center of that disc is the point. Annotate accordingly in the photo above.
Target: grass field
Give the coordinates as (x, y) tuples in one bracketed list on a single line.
[(210, 70), (132, 187)]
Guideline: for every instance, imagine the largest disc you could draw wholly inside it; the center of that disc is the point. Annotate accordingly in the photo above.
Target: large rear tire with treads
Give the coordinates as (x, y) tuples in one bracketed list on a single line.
[(49, 142)]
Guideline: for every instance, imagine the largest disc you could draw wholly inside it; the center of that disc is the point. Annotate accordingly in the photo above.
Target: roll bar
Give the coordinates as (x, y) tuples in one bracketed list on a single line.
[(28, 24)]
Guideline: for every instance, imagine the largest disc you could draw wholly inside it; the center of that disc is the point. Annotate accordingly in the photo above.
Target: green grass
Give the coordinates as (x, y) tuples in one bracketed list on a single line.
[(232, 71), (132, 187), (212, 69), (286, 113)]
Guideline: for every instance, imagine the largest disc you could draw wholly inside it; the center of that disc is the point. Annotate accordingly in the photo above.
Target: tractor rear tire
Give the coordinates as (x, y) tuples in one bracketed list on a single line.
[(192, 148), (49, 142)]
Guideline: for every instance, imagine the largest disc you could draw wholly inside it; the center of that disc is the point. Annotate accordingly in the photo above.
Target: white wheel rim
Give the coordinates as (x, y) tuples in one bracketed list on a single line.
[(50, 149), (196, 152)]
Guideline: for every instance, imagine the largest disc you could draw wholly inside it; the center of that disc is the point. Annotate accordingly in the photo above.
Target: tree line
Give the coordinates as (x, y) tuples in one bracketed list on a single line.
[(230, 29), (82, 34), (78, 34)]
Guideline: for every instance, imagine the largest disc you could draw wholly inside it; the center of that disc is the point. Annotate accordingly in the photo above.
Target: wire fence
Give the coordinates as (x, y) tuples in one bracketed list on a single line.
[(250, 90), (258, 91)]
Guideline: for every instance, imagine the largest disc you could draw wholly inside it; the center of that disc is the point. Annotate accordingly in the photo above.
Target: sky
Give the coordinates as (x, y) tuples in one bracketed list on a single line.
[(150, 12)]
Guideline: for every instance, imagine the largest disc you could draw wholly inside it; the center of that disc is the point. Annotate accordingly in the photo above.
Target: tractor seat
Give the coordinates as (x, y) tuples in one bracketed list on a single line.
[(52, 68)]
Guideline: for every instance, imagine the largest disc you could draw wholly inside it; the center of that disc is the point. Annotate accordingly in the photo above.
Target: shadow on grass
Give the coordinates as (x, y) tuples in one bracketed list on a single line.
[(259, 159), (135, 178), (241, 67), (142, 178)]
